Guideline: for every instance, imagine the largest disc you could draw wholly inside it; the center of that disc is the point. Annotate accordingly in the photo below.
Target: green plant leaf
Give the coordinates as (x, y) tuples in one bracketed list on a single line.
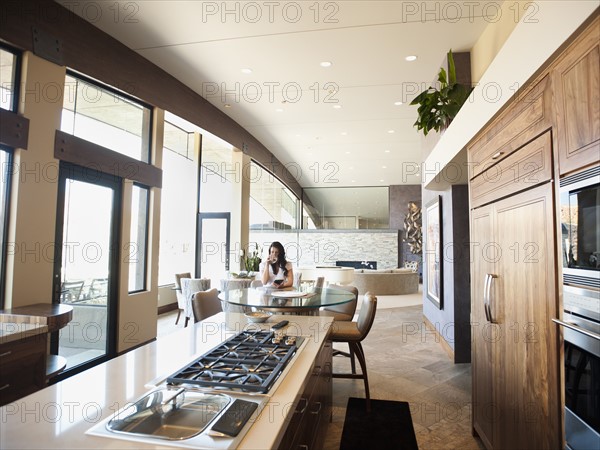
[(451, 68)]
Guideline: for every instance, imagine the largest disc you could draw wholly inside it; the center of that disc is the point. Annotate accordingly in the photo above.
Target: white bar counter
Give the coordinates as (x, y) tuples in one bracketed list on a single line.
[(58, 416)]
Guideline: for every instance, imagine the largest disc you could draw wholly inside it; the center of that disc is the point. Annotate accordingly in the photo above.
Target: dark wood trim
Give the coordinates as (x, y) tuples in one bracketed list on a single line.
[(92, 156), (167, 308), (94, 53), (14, 129)]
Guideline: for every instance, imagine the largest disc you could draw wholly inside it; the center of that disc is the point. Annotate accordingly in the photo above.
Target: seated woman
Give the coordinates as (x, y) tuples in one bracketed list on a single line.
[(276, 271)]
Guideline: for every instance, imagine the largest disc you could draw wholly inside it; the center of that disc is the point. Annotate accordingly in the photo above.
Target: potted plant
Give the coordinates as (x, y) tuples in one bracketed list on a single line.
[(252, 260), (437, 107)]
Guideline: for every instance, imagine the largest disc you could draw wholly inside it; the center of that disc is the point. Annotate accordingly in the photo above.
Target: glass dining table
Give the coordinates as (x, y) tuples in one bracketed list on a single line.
[(286, 301)]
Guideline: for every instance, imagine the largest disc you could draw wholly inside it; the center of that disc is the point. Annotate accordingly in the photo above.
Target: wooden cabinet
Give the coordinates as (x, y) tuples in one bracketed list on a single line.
[(308, 423), (22, 367), (577, 78), (515, 353)]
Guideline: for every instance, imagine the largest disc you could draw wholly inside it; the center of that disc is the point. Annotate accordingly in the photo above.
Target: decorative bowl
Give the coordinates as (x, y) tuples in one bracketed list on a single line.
[(257, 316)]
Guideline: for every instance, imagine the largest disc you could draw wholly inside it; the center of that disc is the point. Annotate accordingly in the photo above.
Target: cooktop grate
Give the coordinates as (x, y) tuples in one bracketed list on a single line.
[(250, 361)]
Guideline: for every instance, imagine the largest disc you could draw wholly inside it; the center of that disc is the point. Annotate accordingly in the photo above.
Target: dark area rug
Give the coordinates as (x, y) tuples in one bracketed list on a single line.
[(387, 426)]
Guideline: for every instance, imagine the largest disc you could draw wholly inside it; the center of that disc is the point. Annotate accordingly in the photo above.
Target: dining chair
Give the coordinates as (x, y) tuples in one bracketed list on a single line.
[(256, 283), (179, 293), (206, 304), (189, 286), (320, 282), (353, 333)]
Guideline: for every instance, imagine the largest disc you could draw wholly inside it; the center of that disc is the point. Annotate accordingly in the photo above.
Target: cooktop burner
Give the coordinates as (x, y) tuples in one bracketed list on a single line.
[(250, 361)]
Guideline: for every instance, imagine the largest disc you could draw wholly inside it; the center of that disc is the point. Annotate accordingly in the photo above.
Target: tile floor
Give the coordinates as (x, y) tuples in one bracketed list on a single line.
[(405, 363)]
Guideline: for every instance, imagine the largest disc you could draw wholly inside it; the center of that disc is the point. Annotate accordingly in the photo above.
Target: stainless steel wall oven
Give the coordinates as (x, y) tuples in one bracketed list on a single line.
[(580, 238)]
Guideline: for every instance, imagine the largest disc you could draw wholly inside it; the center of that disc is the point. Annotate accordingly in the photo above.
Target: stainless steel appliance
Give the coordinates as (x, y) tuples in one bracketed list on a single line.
[(580, 237), (580, 228)]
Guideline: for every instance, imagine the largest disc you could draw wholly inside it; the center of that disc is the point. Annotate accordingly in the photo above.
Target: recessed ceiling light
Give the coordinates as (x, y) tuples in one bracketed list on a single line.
[(347, 153), (247, 71), (343, 133), (391, 131), (351, 168), (398, 103), (411, 58), (297, 135), (337, 106), (353, 181), (325, 64), (227, 105), (384, 167), (279, 110), (387, 151), (381, 181)]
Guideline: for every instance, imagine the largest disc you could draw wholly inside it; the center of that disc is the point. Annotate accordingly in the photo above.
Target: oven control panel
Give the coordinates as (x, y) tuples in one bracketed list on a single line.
[(582, 301)]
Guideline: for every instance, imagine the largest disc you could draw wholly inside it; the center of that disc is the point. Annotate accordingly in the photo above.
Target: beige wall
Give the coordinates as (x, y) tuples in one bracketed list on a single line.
[(30, 259), (492, 39)]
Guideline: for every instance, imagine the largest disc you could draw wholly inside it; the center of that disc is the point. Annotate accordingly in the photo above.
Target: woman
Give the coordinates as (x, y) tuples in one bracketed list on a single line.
[(276, 271)]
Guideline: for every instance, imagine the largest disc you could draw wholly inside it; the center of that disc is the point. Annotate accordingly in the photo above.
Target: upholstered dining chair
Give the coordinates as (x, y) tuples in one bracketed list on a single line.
[(345, 311), (179, 293), (189, 286), (206, 304), (353, 333), (256, 283)]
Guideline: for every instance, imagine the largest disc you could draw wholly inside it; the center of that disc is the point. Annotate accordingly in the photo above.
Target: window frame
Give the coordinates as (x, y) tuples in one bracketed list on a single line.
[(114, 91), (144, 287)]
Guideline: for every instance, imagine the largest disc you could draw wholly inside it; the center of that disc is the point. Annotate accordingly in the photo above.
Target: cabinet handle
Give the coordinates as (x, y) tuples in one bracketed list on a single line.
[(485, 297), (6, 353), (497, 155), (6, 386), (303, 447), (302, 411), (318, 410), (489, 295)]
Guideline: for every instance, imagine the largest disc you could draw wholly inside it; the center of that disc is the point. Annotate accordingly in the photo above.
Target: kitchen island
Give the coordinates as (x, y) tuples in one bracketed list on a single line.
[(60, 415)]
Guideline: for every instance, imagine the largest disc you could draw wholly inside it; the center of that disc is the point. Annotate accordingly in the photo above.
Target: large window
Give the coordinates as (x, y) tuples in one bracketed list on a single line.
[(346, 208), (137, 251), (272, 205), (179, 197), (105, 117), (9, 97)]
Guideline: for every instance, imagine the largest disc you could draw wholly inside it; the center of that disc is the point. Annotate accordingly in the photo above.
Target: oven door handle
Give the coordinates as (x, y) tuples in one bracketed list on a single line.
[(578, 329)]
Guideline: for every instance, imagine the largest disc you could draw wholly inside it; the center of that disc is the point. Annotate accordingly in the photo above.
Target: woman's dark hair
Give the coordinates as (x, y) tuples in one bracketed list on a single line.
[(281, 262)]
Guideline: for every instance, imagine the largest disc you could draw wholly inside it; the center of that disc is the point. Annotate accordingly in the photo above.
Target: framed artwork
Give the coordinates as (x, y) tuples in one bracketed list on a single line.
[(433, 252)]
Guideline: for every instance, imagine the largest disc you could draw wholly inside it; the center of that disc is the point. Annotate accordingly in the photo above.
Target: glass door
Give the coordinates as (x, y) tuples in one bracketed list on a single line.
[(213, 247), (85, 271)]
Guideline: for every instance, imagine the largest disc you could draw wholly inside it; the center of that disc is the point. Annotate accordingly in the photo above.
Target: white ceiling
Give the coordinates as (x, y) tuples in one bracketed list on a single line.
[(366, 42)]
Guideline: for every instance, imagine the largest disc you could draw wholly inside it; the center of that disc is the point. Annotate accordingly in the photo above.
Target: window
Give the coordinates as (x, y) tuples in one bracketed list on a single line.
[(346, 208), (179, 197), (105, 117), (272, 205), (8, 78), (139, 238), (9, 98)]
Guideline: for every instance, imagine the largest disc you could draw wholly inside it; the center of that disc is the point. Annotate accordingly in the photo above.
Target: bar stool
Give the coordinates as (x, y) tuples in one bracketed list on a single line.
[(353, 333)]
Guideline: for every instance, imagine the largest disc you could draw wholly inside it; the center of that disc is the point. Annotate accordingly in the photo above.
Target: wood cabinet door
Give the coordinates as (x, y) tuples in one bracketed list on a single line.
[(577, 87), (482, 263), (523, 302)]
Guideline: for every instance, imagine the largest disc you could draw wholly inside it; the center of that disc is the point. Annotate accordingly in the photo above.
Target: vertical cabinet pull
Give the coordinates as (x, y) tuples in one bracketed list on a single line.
[(485, 297), (489, 279)]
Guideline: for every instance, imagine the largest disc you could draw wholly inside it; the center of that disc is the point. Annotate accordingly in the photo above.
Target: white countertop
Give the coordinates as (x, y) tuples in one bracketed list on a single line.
[(58, 416), (10, 331)]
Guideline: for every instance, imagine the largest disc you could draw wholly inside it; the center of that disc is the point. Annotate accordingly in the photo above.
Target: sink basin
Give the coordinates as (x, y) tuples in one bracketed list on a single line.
[(171, 414)]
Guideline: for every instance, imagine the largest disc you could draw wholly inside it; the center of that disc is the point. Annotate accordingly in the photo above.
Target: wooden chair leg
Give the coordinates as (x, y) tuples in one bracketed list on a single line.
[(178, 314), (357, 347), (352, 362)]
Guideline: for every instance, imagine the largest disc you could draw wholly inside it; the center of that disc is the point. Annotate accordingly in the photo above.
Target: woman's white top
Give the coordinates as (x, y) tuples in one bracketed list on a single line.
[(272, 276)]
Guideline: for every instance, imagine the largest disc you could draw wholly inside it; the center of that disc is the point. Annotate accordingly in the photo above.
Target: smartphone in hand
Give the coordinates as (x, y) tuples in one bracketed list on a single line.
[(278, 282)]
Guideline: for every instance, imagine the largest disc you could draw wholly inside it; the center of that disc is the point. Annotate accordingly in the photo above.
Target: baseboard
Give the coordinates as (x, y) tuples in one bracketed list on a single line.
[(167, 308), (439, 338)]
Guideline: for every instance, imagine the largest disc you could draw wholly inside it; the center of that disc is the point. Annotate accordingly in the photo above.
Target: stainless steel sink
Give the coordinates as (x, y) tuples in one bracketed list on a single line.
[(171, 414)]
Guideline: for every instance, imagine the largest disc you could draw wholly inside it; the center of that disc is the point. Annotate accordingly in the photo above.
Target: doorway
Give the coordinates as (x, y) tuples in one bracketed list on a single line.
[(212, 259), (86, 265)]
